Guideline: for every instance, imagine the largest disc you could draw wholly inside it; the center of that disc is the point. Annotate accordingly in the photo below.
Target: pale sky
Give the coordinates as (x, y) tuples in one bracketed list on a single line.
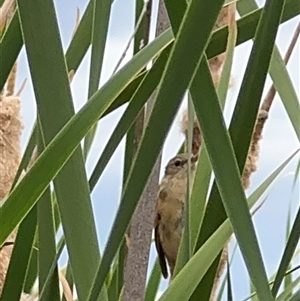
[(278, 143)]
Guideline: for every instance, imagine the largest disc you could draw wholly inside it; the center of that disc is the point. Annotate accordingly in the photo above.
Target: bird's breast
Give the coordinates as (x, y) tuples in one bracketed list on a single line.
[(172, 196)]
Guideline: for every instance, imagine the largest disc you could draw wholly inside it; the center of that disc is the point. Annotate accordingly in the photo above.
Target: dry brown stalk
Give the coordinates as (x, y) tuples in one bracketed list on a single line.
[(135, 270), (271, 94), (10, 134)]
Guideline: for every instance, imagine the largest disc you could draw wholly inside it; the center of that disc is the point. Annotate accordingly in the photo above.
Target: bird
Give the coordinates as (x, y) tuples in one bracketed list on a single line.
[(169, 221)]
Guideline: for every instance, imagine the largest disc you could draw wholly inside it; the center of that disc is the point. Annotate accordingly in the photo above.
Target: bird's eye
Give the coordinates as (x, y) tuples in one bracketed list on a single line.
[(177, 163)]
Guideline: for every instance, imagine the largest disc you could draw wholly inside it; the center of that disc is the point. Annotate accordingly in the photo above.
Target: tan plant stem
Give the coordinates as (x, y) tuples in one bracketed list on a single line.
[(271, 93), (135, 271)]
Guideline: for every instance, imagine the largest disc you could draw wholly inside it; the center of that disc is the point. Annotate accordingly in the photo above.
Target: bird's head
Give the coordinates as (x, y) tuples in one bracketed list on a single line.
[(180, 163)]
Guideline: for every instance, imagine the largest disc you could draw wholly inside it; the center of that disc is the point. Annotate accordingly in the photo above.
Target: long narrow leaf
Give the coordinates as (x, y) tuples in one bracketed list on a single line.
[(289, 290), (171, 90), (247, 26), (244, 118), (22, 198), (203, 173), (32, 271), (228, 181), (47, 249), (10, 47), (153, 282), (81, 40), (222, 288), (229, 284), (137, 101), (296, 297), (99, 34), (46, 237), (60, 247), (52, 91), (288, 254), (14, 281), (288, 279), (223, 85)]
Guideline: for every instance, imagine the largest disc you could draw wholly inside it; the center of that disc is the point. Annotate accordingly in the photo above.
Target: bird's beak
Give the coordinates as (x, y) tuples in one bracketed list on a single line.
[(194, 158)]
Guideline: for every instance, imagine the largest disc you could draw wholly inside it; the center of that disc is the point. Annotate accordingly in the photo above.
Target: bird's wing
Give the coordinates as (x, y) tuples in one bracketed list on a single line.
[(159, 248)]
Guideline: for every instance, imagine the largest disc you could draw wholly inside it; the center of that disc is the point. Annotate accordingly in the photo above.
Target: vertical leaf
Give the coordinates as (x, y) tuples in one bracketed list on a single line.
[(288, 254), (52, 90), (81, 40), (46, 238), (228, 180), (16, 272), (244, 117), (101, 13), (10, 47), (229, 284), (153, 282)]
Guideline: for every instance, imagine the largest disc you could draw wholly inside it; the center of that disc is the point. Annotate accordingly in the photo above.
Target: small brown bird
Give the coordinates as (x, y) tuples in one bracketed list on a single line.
[(168, 222)]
